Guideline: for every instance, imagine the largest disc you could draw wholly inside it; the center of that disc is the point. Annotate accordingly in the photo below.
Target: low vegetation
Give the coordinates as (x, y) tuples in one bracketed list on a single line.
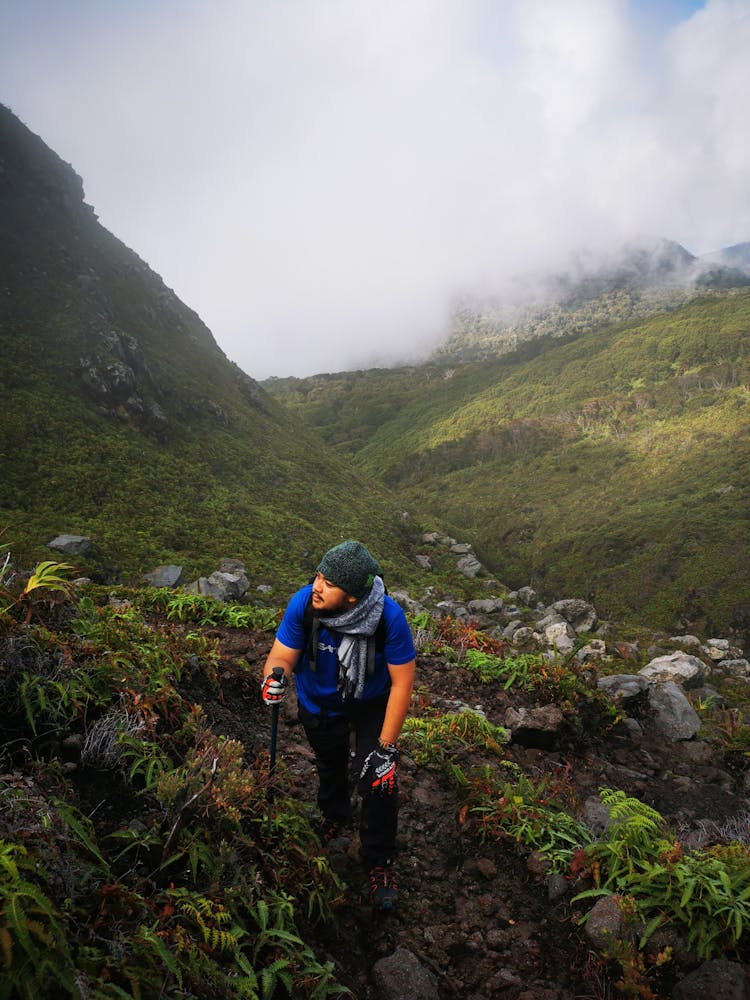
[(159, 864)]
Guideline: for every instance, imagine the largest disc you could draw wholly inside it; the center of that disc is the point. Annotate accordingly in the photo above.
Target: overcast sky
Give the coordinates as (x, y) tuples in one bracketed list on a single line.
[(320, 178)]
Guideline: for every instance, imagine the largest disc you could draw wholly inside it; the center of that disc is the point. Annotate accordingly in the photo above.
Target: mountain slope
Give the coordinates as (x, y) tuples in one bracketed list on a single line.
[(616, 463), (123, 420), (631, 282)]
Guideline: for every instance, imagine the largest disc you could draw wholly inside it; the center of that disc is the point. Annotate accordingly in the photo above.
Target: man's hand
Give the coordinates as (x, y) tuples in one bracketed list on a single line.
[(379, 770), (274, 686)]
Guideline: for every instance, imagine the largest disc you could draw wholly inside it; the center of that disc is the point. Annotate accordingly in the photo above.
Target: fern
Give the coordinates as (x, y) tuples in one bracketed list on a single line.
[(32, 935)]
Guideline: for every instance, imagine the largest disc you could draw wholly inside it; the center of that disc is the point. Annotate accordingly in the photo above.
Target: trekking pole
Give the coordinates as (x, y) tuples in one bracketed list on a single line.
[(277, 672)]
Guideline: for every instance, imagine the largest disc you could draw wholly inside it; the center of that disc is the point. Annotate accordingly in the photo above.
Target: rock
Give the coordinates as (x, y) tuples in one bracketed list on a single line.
[(485, 605), (594, 650), (405, 602), (204, 587), (681, 668), (737, 668), (623, 688), (527, 596), (560, 636), (423, 561), (605, 923), (469, 565), (534, 727), (596, 815), (461, 548), (229, 586), (719, 649), (72, 545), (675, 718), (720, 979), (691, 641), (430, 538), (557, 887), (580, 614), (164, 576), (511, 628), (401, 976)]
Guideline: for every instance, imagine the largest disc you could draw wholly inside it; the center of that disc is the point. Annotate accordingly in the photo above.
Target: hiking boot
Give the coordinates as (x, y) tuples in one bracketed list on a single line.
[(383, 887), (328, 830)]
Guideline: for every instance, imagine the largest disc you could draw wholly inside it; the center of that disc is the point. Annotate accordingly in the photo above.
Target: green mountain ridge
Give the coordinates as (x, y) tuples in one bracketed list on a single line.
[(123, 420), (615, 463)]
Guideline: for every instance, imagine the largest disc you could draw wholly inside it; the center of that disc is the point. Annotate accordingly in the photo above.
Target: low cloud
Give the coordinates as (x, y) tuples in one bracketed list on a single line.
[(321, 180)]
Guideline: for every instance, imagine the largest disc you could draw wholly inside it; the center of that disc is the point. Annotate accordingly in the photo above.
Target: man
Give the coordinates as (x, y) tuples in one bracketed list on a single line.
[(350, 649)]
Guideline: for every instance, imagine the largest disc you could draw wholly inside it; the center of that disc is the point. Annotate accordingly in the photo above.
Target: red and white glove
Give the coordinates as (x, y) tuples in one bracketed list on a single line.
[(379, 770), (273, 688)]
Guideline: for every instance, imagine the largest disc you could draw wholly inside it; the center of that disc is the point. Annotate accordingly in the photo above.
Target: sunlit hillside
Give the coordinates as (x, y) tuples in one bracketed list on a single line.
[(616, 463)]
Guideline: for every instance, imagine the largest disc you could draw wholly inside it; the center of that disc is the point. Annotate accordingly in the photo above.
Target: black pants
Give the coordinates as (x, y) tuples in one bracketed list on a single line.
[(329, 737)]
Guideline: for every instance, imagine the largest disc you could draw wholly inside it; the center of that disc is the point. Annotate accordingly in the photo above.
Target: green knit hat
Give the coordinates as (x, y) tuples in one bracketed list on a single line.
[(351, 567)]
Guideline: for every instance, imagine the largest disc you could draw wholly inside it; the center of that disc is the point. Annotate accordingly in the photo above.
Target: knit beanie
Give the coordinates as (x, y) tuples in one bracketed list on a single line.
[(351, 567)]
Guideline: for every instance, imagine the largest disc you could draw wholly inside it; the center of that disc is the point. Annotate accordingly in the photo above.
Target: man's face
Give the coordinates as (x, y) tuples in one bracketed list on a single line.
[(328, 599)]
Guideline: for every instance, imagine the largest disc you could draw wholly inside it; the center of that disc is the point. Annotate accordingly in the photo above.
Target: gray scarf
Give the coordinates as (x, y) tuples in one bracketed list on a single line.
[(357, 624)]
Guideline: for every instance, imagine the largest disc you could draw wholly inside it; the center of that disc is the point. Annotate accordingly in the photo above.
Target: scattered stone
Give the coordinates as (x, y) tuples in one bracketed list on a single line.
[(164, 576), (682, 668), (534, 727), (596, 815), (469, 565), (579, 614), (560, 636), (623, 688), (72, 545), (675, 718), (737, 668), (402, 976), (720, 979), (605, 922)]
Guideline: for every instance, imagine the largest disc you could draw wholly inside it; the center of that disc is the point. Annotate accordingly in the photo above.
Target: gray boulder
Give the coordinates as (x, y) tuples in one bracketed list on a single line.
[(485, 605), (469, 565), (205, 588), (580, 614), (623, 688), (560, 636), (675, 718), (164, 576), (229, 586), (534, 727), (72, 545), (682, 668)]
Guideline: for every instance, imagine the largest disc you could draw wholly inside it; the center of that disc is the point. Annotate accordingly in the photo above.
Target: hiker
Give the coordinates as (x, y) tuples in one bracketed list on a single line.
[(350, 649)]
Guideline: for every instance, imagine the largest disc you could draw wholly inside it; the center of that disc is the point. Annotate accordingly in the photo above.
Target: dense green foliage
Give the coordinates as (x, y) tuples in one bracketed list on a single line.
[(180, 880), (615, 464)]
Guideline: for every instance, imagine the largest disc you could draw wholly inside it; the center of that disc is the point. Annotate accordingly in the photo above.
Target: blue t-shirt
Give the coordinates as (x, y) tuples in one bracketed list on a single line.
[(319, 689)]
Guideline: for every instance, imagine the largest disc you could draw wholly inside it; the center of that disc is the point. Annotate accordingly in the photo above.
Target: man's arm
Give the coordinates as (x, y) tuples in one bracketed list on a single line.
[(281, 656), (402, 684)]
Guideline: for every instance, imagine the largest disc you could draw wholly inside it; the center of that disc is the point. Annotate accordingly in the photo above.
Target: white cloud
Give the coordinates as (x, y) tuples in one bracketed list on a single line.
[(319, 179)]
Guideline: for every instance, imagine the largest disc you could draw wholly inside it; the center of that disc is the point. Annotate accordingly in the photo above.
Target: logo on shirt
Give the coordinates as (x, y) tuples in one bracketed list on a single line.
[(326, 648)]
